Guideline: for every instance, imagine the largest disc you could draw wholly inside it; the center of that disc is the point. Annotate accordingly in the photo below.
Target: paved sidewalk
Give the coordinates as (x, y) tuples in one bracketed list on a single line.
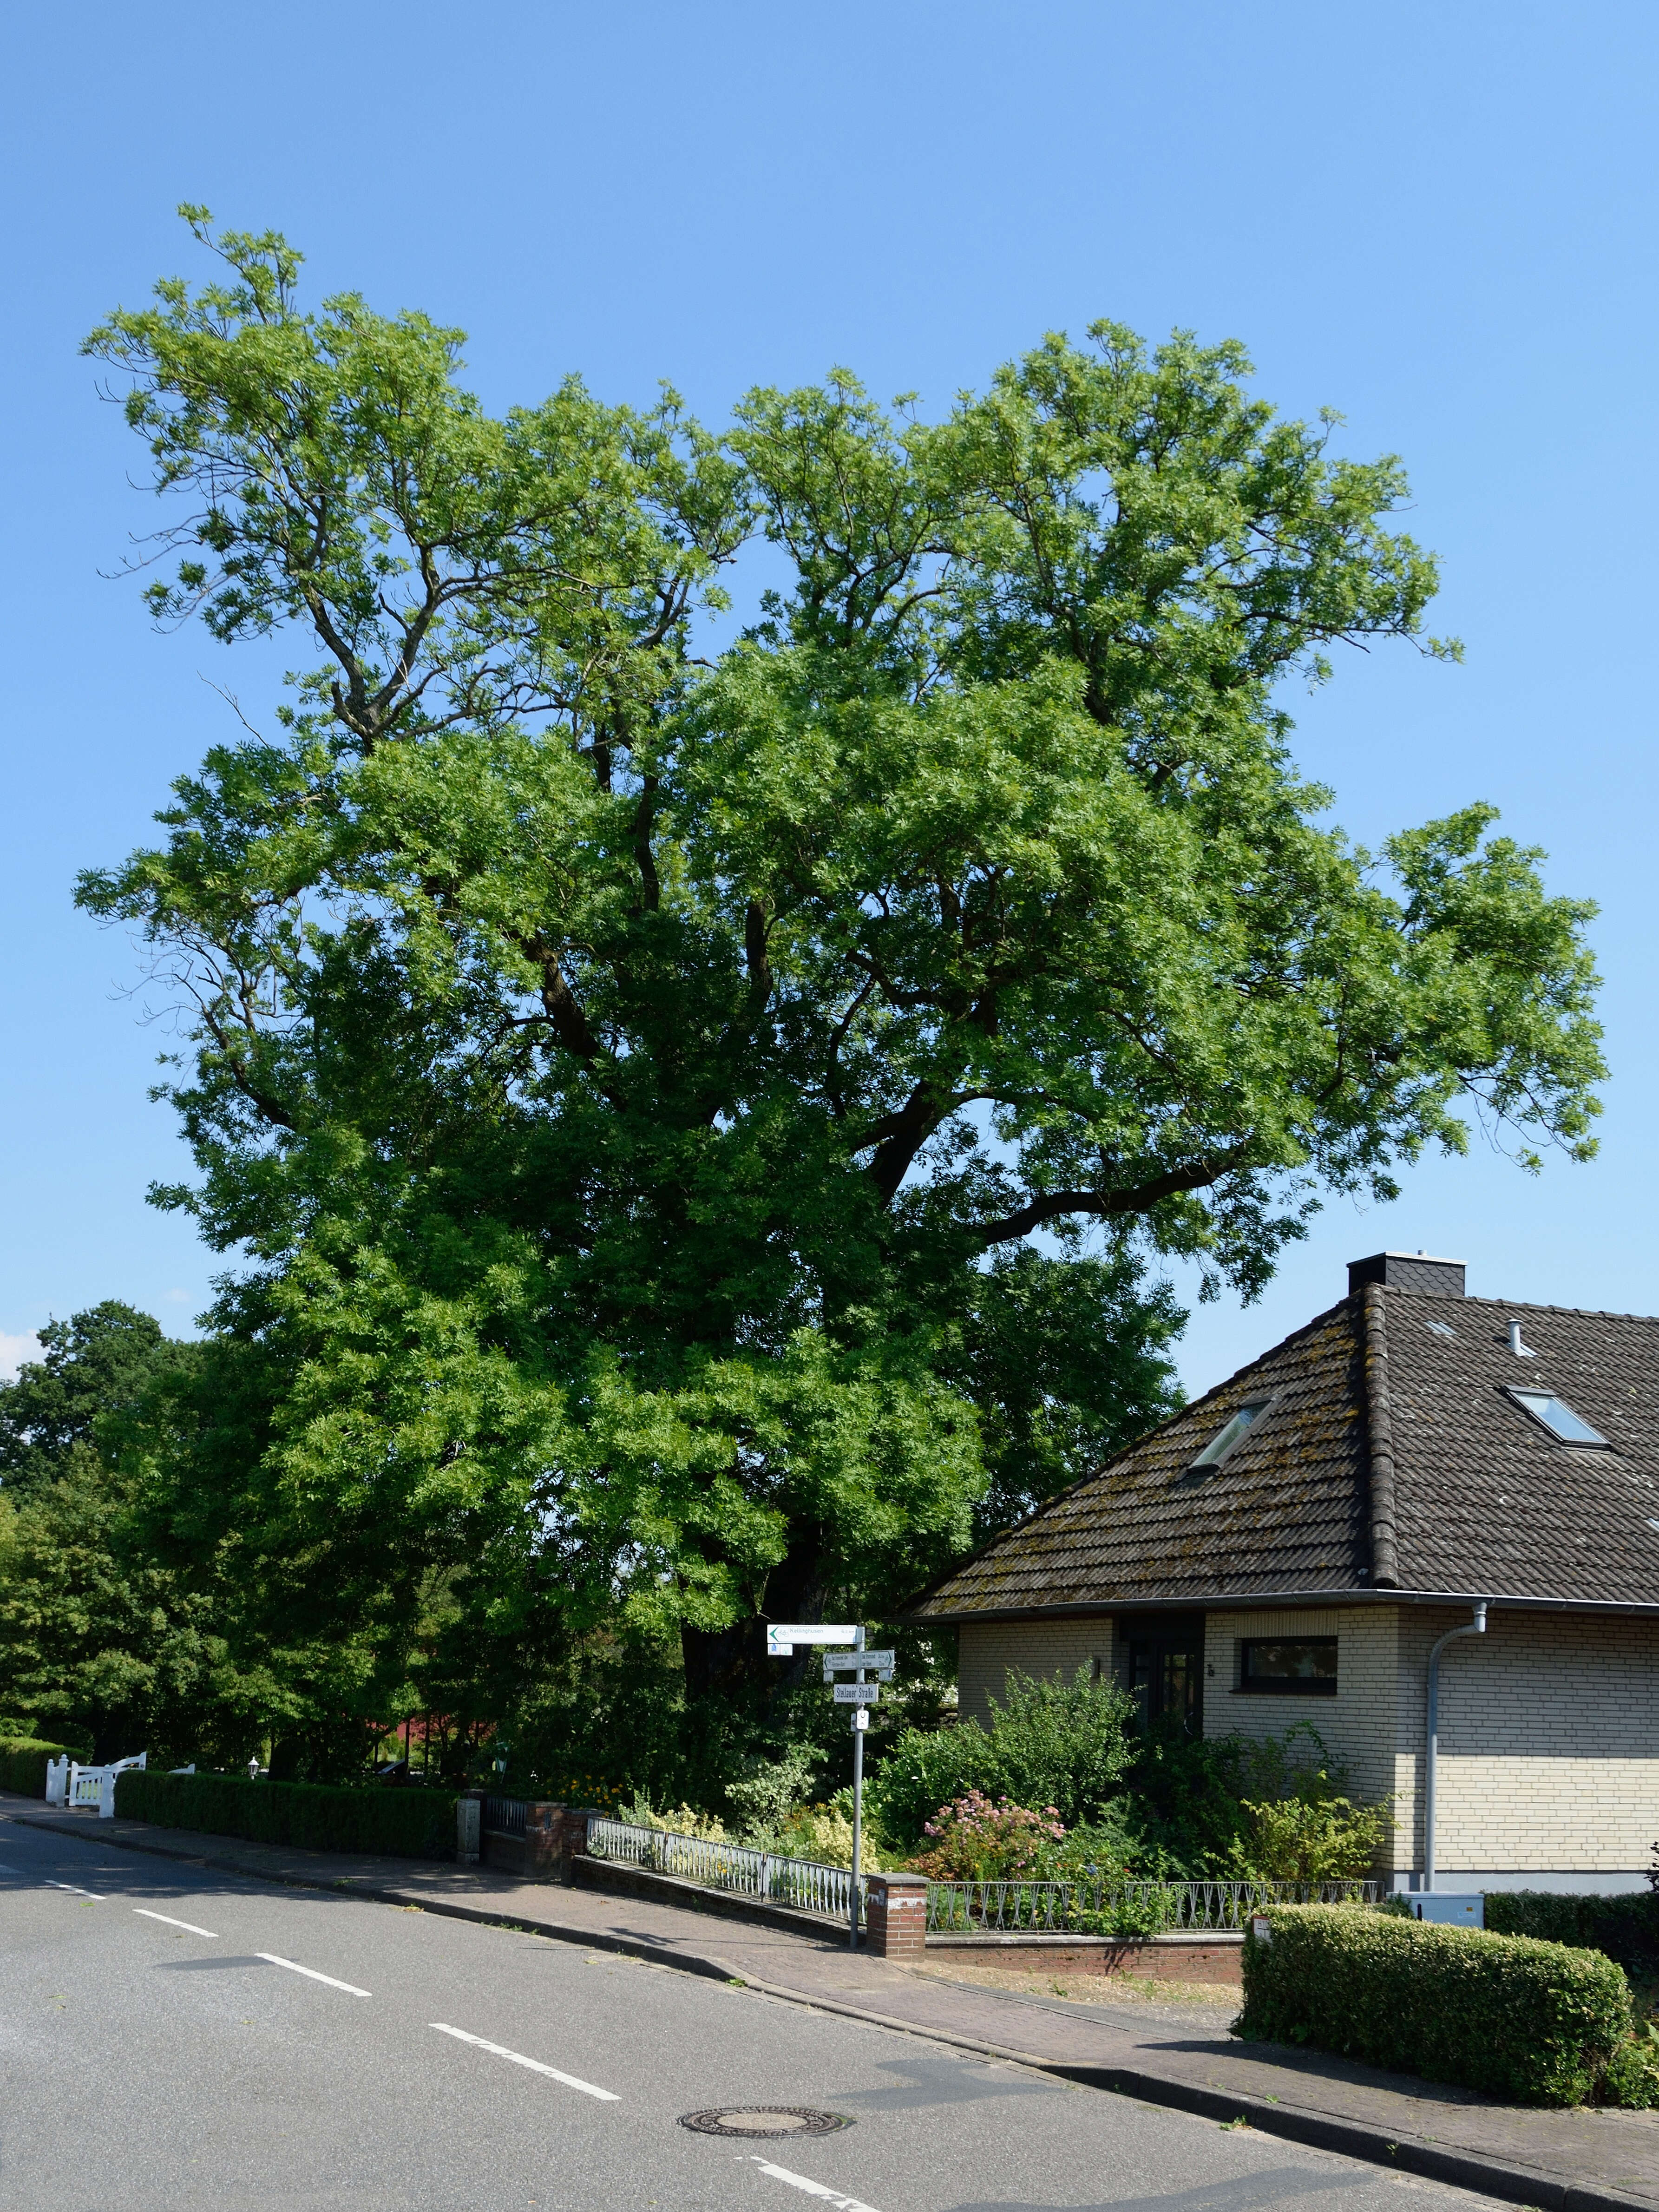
[(1167, 2053)]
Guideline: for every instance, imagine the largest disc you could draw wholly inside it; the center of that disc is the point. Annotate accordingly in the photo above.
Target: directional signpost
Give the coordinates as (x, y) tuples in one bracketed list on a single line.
[(781, 1637)]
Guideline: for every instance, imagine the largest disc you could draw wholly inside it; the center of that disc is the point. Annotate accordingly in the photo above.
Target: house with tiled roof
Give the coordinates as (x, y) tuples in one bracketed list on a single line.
[(1418, 1493)]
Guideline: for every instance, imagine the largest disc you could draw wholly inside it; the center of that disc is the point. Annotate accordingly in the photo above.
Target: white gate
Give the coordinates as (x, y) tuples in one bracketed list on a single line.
[(87, 1786)]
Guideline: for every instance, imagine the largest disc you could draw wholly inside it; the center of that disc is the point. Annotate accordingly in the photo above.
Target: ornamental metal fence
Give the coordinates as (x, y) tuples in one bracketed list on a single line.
[(826, 1891), (1120, 1908), (504, 1816)]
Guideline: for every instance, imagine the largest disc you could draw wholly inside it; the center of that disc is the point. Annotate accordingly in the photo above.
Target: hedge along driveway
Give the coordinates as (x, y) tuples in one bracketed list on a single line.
[(1534, 2023), (408, 1823)]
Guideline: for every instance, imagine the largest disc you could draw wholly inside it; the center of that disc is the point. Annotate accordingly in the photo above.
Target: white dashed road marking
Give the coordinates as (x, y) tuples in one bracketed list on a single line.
[(812, 2188), (311, 1974), (75, 1890), (501, 2051), (189, 1926)]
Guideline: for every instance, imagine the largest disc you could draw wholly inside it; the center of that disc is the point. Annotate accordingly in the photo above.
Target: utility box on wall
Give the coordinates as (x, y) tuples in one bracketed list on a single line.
[(1458, 1908)]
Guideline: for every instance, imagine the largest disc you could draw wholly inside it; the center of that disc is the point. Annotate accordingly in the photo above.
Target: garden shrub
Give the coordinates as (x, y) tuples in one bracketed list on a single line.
[(1626, 1927), (1532, 2022), (773, 1787), (640, 1813), (23, 1762), (1317, 1839), (414, 1824), (1631, 2076), (974, 1840), (1065, 1744), (1150, 1798), (823, 1833)]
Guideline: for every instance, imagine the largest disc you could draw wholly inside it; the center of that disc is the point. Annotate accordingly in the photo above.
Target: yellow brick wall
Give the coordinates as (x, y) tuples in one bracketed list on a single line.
[(1054, 1647), (1549, 1742), (1358, 1725)]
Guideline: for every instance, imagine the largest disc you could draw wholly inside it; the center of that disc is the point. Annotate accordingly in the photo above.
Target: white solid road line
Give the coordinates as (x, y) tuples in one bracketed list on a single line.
[(311, 1974), (188, 1925), (501, 2051), (75, 1890), (812, 2188)]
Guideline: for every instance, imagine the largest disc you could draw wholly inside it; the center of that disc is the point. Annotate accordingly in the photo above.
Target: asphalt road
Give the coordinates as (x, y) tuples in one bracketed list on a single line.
[(215, 2044)]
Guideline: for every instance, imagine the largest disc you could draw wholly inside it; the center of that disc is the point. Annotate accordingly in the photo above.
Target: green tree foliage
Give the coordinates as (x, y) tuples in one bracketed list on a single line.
[(98, 1630), (632, 1064), (1065, 1361), (95, 1365)]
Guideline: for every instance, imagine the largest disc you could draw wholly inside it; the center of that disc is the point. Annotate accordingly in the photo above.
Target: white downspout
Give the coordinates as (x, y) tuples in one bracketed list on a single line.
[(1431, 1766)]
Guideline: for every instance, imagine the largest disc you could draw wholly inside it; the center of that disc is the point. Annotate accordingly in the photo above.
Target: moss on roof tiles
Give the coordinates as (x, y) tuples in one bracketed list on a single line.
[(1484, 1500)]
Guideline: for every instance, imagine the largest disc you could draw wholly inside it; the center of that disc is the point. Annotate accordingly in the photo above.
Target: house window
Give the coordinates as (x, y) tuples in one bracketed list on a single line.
[(1232, 1433), (1280, 1667), (1166, 1668), (1557, 1417)]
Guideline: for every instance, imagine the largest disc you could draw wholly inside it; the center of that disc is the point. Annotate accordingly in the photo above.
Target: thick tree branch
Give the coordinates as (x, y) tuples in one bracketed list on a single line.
[(1104, 1205), (755, 958), (644, 860), (908, 1130), (559, 1001)]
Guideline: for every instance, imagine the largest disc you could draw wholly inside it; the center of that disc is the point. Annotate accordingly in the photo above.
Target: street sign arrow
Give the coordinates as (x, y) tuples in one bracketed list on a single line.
[(857, 1694), (847, 1663), (781, 1636)]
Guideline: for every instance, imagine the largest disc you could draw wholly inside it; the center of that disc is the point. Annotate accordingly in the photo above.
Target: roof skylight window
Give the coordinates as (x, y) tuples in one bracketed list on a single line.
[(1559, 1418), (1232, 1434)]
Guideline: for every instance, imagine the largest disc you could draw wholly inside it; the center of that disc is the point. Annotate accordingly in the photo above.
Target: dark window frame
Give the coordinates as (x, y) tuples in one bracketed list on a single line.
[(1286, 1686)]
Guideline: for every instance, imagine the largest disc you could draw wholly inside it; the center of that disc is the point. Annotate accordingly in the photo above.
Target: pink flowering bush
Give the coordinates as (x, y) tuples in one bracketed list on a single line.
[(975, 1838)]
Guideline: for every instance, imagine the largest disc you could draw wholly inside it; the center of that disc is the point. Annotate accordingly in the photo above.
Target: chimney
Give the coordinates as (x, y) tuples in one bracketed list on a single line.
[(1408, 1270)]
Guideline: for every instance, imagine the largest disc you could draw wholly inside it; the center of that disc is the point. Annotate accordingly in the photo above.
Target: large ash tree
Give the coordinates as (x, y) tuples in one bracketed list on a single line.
[(697, 1115)]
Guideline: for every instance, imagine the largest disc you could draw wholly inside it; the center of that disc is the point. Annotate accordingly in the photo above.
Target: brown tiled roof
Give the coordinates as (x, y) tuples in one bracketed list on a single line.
[(1390, 1457)]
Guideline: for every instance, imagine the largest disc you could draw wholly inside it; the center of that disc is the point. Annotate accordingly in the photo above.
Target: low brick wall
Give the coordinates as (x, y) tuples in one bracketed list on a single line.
[(1217, 1960), (554, 1837), (897, 1910)]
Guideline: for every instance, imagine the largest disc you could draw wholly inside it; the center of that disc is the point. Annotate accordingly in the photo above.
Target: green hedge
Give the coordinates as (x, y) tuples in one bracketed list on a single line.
[(1626, 1927), (413, 1824), (23, 1763), (1534, 2023)]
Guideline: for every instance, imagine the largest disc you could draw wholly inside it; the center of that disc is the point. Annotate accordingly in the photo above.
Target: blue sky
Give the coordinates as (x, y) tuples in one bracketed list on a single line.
[(1439, 220)]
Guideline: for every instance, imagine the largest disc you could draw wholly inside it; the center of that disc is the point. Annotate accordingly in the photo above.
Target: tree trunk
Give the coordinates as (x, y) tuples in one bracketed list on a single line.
[(732, 1663)]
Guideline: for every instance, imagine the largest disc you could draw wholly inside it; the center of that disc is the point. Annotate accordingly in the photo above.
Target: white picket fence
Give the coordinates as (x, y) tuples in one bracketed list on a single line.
[(71, 1784)]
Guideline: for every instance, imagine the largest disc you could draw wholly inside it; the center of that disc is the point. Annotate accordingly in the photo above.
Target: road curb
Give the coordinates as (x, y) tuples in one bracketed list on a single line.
[(1506, 2179)]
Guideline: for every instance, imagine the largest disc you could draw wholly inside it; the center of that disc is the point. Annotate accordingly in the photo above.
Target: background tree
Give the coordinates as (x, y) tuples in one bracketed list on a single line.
[(95, 1365), (99, 1633), (620, 1058)]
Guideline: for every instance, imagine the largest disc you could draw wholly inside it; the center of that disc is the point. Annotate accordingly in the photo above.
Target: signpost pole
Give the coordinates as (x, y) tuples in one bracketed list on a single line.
[(781, 1637), (860, 1721)]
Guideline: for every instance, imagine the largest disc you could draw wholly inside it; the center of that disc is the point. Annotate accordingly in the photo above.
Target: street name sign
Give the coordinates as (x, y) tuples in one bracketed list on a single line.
[(857, 1694), (782, 1635)]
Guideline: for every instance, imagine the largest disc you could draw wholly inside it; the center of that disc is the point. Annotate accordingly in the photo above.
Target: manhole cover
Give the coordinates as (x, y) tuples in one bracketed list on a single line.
[(765, 2120)]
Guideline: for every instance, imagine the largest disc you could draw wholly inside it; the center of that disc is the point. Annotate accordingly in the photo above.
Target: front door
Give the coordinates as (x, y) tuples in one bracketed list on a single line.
[(1166, 1667)]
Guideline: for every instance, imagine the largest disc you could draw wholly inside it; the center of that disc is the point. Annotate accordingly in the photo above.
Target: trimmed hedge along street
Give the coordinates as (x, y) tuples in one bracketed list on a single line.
[(1532, 2022), (1625, 1926), (412, 1823), (23, 1761)]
